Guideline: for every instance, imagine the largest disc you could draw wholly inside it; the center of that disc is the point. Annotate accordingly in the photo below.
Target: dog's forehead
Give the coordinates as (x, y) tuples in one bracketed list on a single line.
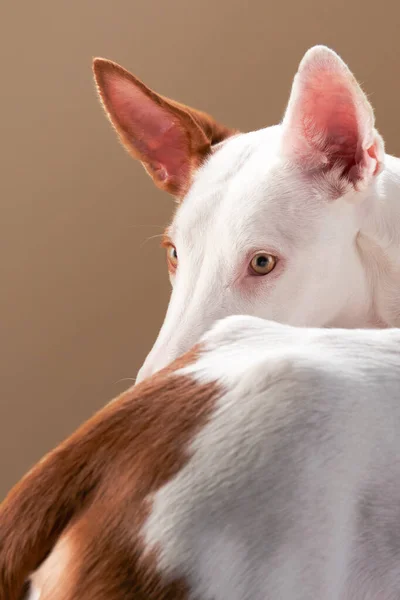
[(241, 181), (239, 162)]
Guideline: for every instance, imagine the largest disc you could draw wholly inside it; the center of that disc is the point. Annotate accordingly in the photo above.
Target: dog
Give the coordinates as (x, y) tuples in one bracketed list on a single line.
[(262, 464), (297, 223)]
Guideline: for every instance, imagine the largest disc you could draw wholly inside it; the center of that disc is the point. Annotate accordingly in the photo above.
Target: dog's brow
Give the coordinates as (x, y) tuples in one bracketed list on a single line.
[(166, 239)]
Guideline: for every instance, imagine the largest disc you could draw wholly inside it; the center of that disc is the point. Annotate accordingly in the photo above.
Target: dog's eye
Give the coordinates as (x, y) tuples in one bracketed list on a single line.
[(172, 257), (262, 263)]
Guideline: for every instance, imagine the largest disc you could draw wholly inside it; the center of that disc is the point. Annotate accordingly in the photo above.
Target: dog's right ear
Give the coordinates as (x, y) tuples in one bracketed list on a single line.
[(170, 139)]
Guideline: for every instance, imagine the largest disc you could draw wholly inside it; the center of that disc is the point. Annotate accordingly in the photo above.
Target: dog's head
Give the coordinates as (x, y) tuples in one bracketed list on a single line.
[(267, 221)]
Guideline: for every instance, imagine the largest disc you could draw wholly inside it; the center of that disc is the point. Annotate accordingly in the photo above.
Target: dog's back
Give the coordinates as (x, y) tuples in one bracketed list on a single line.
[(261, 465)]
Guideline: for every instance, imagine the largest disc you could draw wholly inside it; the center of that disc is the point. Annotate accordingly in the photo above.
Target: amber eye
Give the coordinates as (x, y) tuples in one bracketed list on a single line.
[(172, 256), (262, 263)]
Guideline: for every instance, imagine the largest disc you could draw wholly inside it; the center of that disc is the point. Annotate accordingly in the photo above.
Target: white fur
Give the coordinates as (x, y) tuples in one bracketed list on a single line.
[(50, 578), (34, 594), (292, 490), (339, 257)]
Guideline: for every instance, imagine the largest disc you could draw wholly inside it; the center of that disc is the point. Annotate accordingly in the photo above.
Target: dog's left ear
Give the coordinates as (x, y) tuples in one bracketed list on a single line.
[(329, 123), (170, 139)]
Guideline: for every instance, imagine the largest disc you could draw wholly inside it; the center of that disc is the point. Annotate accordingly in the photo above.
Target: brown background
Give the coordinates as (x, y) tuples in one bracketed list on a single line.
[(82, 292)]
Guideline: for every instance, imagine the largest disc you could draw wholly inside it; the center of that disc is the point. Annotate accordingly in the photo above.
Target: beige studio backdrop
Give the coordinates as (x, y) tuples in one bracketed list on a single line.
[(82, 292)]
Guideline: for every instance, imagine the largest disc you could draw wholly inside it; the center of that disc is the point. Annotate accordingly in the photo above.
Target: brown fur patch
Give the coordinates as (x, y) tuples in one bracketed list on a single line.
[(196, 132), (97, 486)]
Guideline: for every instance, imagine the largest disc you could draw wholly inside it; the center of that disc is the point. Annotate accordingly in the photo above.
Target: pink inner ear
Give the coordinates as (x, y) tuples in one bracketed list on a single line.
[(154, 132), (329, 120)]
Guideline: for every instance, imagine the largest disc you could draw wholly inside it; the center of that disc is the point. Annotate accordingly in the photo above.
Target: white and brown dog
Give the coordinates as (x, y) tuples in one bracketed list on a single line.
[(297, 223), (263, 463)]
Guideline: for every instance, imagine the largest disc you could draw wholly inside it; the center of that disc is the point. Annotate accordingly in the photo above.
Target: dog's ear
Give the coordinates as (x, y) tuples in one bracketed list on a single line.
[(170, 139), (329, 123)]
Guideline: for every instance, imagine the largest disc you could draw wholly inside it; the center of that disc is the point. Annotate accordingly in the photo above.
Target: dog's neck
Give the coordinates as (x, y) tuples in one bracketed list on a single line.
[(379, 243)]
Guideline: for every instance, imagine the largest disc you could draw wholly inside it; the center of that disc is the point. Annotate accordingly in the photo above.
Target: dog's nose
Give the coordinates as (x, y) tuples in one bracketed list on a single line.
[(144, 372), (159, 358), (154, 362)]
